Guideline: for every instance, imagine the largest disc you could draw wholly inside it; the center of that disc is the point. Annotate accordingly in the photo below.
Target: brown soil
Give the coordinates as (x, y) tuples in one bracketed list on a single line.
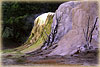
[(88, 58)]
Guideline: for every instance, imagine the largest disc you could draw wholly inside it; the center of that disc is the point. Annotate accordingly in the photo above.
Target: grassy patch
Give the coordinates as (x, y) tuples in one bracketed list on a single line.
[(7, 50)]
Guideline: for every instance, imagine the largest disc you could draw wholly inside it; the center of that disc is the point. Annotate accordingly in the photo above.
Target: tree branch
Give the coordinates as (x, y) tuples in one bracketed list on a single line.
[(90, 35)]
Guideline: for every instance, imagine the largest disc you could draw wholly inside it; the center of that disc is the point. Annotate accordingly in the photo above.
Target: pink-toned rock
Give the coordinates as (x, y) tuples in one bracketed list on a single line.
[(74, 39)]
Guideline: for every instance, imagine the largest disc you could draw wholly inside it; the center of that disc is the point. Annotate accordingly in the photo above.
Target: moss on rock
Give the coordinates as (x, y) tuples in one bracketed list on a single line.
[(39, 33)]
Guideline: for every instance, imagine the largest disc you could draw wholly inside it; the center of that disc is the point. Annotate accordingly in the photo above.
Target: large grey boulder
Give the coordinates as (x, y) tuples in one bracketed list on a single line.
[(63, 19), (69, 27)]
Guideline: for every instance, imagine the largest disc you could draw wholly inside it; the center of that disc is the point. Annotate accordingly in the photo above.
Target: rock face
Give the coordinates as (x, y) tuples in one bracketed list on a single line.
[(74, 28), (39, 33)]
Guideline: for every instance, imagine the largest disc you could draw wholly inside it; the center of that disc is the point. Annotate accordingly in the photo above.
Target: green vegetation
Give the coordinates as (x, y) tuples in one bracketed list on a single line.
[(15, 14), (7, 50), (14, 23)]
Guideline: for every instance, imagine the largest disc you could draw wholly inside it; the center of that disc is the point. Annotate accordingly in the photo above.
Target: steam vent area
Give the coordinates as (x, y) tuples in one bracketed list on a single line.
[(47, 33)]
